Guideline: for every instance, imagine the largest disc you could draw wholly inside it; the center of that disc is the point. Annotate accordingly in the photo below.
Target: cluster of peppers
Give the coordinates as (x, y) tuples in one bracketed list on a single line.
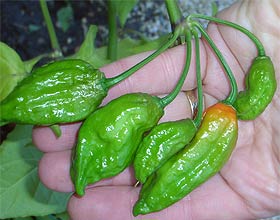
[(170, 159)]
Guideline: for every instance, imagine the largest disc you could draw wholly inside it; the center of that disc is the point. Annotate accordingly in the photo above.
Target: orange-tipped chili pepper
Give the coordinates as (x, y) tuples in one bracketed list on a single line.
[(201, 159)]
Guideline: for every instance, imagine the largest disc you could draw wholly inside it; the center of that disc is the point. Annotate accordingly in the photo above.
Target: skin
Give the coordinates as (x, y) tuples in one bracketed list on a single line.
[(247, 187)]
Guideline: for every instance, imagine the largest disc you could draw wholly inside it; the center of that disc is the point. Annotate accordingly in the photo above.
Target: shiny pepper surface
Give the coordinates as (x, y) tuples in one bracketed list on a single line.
[(58, 92), (197, 162), (160, 144), (260, 88), (109, 137)]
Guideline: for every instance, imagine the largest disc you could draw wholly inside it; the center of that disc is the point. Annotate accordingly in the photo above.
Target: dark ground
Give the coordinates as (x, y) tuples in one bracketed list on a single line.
[(23, 27)]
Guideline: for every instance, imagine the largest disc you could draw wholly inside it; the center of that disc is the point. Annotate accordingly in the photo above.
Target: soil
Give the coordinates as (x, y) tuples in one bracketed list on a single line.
[(23, 27)]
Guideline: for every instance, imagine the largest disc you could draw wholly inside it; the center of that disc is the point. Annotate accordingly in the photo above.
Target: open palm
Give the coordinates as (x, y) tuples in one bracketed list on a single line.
[(247, 187)]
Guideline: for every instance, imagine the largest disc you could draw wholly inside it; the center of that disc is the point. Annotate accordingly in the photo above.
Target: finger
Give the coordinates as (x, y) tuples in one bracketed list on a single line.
[(45, 139), (214, 197), (54, 172)]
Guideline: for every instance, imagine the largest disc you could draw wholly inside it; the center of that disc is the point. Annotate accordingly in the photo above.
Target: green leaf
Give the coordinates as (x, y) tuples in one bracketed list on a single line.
[(63, 216), (21, 192), (215, 8), (128, 47), (12, 70), (30, 63), (87, 51), (65, 17), (123, 8), (97, 57), (47, 217), (24, 218), (33, 27)]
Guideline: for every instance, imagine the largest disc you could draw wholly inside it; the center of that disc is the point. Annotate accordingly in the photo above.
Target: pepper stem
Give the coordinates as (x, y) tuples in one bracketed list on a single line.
[(109, 82), (257, 42), (198, 117), (233, 93), (171, 96), (56, 130)]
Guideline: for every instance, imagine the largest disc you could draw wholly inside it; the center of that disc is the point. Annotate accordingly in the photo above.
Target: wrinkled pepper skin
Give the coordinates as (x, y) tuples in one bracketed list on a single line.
[(197, 162), (109, 137), (58, 92), (260, 88), (160, 144)]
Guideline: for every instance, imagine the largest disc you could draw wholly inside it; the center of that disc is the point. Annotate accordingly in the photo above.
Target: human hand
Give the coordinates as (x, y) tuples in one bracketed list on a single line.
[(247, 187)]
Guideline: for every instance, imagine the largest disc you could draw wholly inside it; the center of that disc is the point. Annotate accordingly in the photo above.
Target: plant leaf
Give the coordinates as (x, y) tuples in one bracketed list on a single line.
[(21, 192), (47, 217), (62, 216), (87, 51), (123, 8), (12, 70), (30, 63), (128, 47), (24, 218), (65, 17), (215, 8), (97, 57)]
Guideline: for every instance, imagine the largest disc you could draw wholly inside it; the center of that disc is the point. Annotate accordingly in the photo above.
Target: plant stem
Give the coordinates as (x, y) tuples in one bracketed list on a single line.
[(113, 35), (233, 93), (109, 82), (171, 96), (56, 130), (50, 27), (198, 117), (257, 42), (174, 13)]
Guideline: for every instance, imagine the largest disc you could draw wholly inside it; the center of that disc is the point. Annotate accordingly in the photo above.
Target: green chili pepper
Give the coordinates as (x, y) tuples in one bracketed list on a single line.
[(202, 158), (260, 88), (168, 138), (61, 91), (109, 137), (160, 144), (260, 81)]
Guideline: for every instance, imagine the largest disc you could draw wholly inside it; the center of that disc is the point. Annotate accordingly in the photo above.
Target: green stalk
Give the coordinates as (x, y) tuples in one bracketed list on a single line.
[(50, 27), (109, 82), (56, 130), (198, 117), (233, 93), (171, 96), (113, 35), (174, 13), (257, 42)]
